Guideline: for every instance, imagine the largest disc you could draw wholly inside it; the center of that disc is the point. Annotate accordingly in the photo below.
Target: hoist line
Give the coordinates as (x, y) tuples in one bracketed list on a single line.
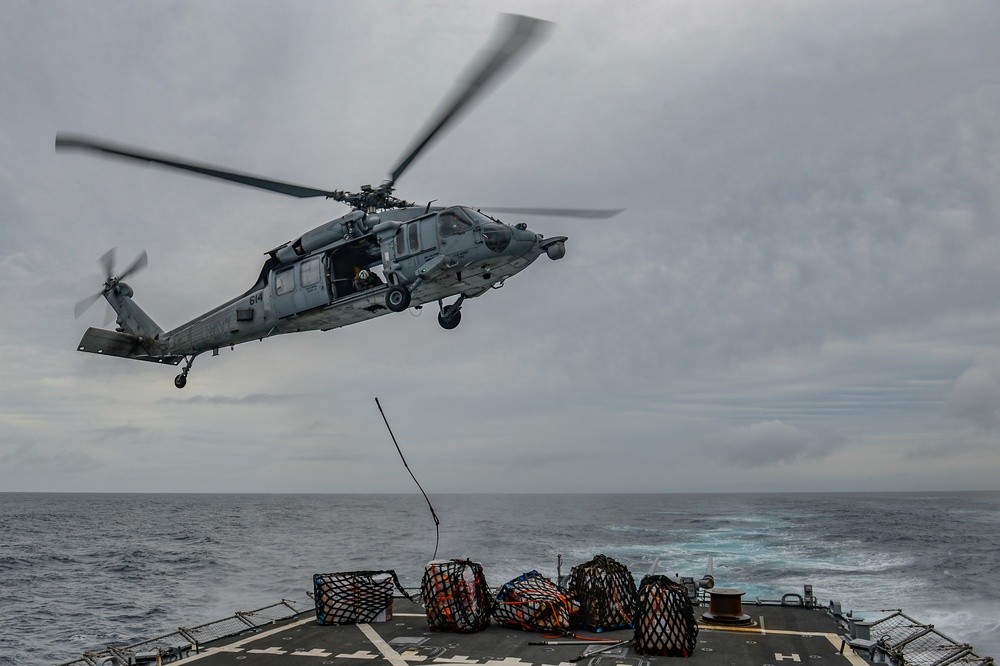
[(437, 523)]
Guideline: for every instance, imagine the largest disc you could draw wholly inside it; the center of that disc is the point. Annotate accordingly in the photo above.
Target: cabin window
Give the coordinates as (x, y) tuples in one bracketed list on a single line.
[(450, 223), (284, 282), (413, 230), (400, 243), (310, 272)]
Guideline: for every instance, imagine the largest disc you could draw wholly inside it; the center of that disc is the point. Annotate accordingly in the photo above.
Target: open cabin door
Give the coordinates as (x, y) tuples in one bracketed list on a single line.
[(300, 287)]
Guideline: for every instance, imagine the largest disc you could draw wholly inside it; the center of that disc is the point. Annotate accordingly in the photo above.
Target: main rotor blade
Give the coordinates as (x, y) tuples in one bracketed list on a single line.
[(516, 34), (587, 213), (68, 141)]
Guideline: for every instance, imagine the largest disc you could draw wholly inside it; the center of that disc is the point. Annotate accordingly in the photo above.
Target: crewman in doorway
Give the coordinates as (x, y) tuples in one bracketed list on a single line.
[(366, 279)]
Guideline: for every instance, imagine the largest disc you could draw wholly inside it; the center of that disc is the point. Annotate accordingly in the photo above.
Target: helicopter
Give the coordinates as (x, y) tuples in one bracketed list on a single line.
[(329, 277)]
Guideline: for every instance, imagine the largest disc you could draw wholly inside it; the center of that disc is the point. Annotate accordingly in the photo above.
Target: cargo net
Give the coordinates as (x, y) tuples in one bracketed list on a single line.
[(606, 593), (533, 603), (665, 624), (456, 596), (354, 597)]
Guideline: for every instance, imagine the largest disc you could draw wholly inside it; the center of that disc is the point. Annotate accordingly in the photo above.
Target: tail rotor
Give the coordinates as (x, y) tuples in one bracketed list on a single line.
[(111, 281)]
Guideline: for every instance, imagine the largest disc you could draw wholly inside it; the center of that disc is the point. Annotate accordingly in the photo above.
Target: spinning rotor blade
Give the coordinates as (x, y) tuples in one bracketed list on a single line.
[(520, 31), (68, 141), (587, 213), (107, 261), (84, 304), (140, 262)]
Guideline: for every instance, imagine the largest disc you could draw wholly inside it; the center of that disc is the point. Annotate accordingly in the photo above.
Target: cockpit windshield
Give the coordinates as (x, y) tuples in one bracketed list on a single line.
[(452, 222), (496, 235), (477, 217)]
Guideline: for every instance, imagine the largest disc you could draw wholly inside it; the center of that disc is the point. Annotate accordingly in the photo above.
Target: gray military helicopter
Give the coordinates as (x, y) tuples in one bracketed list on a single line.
[(329, 277)]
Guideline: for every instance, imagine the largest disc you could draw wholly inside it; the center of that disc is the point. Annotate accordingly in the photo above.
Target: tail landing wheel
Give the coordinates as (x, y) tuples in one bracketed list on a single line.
[(449, 319), (450, 315), (181, 380)]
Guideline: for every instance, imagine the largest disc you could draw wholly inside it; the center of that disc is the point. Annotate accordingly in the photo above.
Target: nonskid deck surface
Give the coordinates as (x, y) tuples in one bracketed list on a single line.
[(782, 635)]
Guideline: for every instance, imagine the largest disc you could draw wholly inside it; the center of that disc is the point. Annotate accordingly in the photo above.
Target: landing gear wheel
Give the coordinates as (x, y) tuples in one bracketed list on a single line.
[(397, 298), (449, 318), (181, 380)]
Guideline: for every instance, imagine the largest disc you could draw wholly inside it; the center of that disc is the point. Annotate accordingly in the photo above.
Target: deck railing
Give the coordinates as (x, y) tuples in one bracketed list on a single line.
[(180, 643)]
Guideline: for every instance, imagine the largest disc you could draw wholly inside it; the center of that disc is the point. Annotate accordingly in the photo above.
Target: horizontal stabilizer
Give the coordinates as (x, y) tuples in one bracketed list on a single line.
[(123, 345)]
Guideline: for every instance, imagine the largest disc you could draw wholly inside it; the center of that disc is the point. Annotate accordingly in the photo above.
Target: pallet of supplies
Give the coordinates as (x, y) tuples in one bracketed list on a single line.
[(353, 597), (456, 596), (534, 603)]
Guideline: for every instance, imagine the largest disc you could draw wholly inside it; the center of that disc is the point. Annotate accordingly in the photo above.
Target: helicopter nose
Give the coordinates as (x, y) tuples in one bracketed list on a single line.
[(523, 241)]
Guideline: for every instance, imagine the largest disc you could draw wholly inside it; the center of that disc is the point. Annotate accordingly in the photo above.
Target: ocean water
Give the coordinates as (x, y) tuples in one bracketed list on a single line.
[(81, 571)]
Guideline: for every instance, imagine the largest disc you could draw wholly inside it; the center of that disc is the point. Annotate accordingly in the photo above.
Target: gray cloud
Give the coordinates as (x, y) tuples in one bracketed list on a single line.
[(962, 445), (251, 399), (30, 458), (975, 396), (770, 443), (809, 245), (122, 432)]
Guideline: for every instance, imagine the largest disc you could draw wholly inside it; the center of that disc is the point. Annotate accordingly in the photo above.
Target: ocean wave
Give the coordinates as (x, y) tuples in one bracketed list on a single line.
[(139, 566)]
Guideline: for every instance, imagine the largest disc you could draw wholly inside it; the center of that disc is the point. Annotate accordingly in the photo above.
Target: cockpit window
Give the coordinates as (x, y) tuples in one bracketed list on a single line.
[(478, 217), (450, 222), (497, 236)]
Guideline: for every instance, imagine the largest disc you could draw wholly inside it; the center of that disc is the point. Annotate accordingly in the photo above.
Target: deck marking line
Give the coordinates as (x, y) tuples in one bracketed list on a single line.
[(507, 661), (229, 648), (849, 653), (756, 630), (390, 655), (315, 652), (763, 631), (409, 615)]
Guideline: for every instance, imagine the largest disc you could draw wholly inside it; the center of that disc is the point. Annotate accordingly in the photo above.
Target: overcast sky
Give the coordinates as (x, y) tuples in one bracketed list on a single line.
[(803, 293)]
